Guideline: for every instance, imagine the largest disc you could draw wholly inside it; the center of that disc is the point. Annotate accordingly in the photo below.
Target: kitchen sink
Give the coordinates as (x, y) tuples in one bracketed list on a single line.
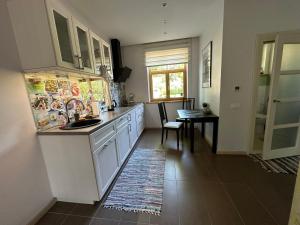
[(80, 124)]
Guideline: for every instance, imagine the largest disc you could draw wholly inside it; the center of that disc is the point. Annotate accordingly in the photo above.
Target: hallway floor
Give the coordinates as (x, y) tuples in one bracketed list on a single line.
[(199, 189)]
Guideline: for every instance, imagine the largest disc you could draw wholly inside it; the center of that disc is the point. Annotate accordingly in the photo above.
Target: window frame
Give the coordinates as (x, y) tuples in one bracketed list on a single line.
[(167, 75)]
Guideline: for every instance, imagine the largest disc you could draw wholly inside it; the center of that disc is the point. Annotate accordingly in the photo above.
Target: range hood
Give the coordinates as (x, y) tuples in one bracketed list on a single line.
[(120, 73)]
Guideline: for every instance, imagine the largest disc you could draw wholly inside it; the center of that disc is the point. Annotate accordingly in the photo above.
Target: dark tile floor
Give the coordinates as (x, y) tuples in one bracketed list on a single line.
[(199, 189)]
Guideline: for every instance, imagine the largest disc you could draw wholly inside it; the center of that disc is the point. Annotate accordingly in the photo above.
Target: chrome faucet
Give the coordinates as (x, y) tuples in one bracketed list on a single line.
[(67, 103)]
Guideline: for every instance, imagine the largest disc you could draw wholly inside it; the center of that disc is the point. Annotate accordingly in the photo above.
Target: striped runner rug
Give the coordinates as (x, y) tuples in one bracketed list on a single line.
[(139, 188), (287, 165)]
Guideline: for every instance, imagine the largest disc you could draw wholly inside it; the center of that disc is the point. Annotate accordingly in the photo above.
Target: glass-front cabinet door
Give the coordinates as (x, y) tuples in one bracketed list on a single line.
[(63, 37), (96, 53), (107, 62), (83, 46)]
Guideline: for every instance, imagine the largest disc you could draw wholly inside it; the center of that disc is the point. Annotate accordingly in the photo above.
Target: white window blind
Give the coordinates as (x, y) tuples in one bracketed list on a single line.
[(167, 57)]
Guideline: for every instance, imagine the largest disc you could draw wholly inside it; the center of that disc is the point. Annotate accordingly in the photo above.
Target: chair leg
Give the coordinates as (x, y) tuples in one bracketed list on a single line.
[(177, 134), (162, 135), (186, 127), (167, 134), (182, 128)]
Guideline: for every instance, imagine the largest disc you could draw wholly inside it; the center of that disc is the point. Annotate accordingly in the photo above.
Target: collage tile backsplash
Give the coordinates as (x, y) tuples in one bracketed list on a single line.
[(49, 92)]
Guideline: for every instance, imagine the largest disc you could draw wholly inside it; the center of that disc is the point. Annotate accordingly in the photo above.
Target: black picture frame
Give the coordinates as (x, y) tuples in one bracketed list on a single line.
[(207, 65)]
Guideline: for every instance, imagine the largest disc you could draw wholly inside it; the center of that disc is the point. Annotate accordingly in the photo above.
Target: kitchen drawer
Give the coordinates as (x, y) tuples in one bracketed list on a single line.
[(99, 137), (130, 116), (121, 122)]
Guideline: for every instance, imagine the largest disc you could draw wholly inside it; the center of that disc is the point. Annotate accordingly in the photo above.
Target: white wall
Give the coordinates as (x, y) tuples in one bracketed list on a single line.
[(133, 57), (24, 189), (213, 32), (243, 20)]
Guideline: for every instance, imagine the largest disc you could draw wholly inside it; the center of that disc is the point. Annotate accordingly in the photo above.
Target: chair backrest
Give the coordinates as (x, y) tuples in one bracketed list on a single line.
[(162, 113), (188, 103)]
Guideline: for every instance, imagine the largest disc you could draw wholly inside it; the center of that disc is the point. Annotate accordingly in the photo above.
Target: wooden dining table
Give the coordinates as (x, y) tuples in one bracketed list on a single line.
[(198, 116)]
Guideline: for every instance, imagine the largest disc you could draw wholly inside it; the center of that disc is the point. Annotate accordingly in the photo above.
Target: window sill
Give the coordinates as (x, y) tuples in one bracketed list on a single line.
[(166, 101)]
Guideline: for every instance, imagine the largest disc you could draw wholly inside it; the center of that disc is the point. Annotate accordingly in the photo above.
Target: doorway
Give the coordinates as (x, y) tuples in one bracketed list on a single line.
[(276, 117)]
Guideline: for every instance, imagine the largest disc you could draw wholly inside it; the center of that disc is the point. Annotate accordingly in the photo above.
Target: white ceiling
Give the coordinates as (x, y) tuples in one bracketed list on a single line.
[(141, 21)]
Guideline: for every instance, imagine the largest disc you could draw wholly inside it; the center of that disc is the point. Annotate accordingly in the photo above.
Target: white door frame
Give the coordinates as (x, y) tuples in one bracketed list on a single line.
[(261, 38)]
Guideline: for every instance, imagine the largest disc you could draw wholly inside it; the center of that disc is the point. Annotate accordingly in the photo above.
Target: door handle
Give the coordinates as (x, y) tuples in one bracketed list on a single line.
[(276, 100)]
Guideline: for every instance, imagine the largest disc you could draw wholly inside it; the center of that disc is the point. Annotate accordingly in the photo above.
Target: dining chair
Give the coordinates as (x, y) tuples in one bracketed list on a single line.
[(166, 125), (189, 104)]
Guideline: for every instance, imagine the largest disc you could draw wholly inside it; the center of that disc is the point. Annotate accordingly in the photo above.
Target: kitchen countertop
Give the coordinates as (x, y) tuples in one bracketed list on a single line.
[(106, 118)]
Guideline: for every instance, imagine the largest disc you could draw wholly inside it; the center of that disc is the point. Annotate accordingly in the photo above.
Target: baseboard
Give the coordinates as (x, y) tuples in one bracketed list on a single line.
[(255, 152), (227, 152), (42, 212)]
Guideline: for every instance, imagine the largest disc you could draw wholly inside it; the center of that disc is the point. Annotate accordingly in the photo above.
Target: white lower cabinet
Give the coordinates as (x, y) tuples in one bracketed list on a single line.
[(106, 164), (123, 143), (82, 167)]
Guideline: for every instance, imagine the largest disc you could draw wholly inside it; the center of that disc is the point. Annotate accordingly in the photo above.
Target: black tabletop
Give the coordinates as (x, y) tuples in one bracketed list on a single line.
[(194, 114)]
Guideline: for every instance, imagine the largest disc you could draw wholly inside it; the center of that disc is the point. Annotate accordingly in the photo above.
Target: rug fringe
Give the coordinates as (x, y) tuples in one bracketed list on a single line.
[(148, 211)]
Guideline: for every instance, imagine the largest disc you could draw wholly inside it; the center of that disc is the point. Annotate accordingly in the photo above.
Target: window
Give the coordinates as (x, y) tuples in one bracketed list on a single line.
[(167, 82), (167, 70), (96, 87)]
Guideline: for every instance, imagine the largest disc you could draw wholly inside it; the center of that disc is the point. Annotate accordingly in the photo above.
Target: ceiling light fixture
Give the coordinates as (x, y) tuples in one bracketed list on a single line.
[(164, 21)]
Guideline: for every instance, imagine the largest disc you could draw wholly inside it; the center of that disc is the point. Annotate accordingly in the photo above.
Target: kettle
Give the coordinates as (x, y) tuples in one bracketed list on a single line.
[(114, 104)]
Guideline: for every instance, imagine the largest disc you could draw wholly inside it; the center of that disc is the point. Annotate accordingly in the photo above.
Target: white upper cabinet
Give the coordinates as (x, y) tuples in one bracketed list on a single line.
[(97, 52), (83, 46), (107, 61), (63, 37), (48, 36)]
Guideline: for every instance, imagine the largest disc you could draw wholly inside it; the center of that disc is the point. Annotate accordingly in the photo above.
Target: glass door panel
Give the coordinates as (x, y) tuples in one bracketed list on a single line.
[(290, 57), (289, 86), (107, 60), (284, 138), (287, 113), (84, 48), (83, 45), (97, 55), (63, 35)]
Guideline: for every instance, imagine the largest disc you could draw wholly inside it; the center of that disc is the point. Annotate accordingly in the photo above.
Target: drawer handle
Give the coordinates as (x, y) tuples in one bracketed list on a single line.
[(106, 145), (129, 117)]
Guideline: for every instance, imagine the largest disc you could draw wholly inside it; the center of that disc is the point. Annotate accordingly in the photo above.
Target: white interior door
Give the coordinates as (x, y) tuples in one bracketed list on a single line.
[(283, 122)]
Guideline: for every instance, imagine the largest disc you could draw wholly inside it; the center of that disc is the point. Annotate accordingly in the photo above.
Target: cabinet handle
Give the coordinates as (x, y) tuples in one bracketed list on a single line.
[(276, 100), (129, 127), (79, 62), (129, 117), (106, 145), (78, 66)]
